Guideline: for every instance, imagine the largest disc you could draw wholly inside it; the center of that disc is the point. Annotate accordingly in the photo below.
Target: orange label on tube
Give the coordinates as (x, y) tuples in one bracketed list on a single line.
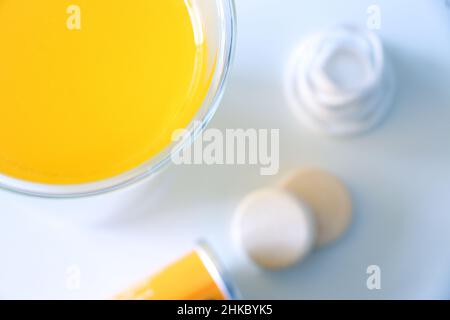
[(193, 277)]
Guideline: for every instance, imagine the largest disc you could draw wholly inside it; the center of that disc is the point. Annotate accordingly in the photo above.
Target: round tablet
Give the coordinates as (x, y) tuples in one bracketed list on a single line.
[(327, 197), (274, 228)]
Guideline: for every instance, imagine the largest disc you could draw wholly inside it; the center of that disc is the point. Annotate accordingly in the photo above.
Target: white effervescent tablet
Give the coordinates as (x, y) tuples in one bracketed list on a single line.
[(274, 228), (327, 197)]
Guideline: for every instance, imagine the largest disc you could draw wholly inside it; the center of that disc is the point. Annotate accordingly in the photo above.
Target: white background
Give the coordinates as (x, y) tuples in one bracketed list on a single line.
[(399, 176)]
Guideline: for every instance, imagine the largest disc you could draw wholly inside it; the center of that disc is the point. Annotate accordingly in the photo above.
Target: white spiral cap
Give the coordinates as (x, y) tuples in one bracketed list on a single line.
[(339, 82)]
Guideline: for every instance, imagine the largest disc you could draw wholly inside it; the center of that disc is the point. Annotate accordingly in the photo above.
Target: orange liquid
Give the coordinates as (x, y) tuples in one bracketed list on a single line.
[(92, 91)]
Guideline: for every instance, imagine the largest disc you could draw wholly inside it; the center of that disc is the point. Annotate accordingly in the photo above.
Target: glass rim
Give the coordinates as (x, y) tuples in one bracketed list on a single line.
[(154, 165)]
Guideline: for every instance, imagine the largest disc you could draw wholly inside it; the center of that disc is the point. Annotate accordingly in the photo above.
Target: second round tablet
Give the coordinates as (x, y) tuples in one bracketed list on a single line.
[(328, 198)]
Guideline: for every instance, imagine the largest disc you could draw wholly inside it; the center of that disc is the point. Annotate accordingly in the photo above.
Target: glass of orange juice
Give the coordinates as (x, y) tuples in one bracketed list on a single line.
[(91, 91)]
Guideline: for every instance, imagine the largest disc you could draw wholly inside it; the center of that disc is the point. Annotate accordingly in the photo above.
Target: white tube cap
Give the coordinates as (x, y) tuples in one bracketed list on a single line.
[(339, 81)]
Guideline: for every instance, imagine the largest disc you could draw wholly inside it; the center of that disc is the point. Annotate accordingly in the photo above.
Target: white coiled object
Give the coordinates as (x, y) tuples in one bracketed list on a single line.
[(339, 82)]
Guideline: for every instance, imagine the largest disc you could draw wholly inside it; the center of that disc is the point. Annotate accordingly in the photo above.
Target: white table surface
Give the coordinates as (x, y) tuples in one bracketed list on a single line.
[(399, 176)]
